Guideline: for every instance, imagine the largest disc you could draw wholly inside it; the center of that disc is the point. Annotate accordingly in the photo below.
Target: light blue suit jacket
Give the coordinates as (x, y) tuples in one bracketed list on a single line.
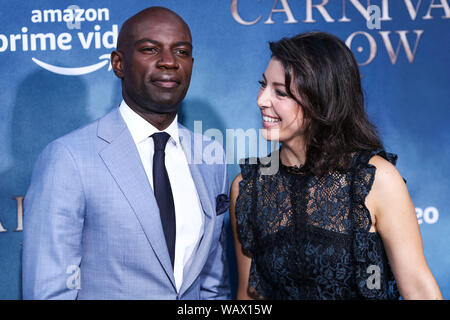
[(90, 211)]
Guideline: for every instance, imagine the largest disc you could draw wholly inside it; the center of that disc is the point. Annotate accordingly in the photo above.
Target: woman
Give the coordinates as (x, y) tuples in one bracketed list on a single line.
[(336, 221)]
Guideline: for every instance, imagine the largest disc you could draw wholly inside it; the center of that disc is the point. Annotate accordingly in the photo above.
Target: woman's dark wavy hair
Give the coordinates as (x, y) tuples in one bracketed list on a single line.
[(325, 76)]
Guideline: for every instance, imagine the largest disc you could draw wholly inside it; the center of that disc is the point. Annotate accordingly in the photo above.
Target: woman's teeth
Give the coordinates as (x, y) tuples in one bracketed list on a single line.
[(269, 119)]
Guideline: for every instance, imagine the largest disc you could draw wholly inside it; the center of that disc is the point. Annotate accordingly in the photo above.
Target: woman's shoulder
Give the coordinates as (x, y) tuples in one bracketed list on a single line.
[(383, 166), (249, 168), (387, 178), (365, 157), (375, 165), (375, 174), (388, 188), (265, 165)]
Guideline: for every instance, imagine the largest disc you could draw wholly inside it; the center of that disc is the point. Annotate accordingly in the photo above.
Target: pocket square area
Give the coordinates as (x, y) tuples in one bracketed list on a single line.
[(222, 203)]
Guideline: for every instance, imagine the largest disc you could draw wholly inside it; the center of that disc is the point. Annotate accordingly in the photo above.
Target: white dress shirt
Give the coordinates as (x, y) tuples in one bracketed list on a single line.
[(188, 210)]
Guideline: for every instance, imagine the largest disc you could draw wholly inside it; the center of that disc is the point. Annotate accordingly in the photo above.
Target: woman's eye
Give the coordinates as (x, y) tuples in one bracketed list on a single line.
[(281, 93)]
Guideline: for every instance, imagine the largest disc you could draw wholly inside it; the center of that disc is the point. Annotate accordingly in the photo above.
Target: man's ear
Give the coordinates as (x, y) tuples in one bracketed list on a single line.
[(117, 63)]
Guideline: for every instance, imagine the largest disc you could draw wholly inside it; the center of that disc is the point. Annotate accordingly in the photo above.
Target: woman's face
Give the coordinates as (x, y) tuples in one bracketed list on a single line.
[(282, 116)]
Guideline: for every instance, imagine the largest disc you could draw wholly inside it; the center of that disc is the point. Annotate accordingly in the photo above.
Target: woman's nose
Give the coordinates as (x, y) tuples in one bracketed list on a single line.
[(263, 98)]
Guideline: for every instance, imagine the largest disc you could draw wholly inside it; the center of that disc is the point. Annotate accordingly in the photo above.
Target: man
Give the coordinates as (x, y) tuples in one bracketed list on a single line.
[(115, 210)]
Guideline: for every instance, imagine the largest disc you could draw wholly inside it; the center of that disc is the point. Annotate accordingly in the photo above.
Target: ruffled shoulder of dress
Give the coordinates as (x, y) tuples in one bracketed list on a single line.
[(249, 167), (246, 202), (365, 172), (369, 255), (252, 167), (363, 157)]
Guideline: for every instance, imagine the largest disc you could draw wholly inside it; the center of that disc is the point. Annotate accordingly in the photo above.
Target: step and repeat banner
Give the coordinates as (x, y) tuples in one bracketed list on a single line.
[(56, 77)]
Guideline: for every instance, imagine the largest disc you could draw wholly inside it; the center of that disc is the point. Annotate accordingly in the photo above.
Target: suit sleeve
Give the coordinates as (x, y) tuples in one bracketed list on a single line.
[(53, 222), (215, 282)]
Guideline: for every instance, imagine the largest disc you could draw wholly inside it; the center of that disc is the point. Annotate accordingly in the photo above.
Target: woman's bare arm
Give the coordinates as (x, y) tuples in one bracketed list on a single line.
[(395, 220)]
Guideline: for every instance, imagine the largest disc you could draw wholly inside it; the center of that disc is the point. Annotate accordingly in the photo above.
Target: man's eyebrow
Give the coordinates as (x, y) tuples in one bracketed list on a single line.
[(145, 40), (179, 43), (183, 43)]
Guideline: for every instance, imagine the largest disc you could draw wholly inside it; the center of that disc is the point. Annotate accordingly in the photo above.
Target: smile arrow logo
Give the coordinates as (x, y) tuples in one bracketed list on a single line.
[(75, 71)]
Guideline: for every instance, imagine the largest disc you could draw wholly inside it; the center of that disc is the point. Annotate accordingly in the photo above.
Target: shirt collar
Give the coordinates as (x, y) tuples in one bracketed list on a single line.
[(141, 129)]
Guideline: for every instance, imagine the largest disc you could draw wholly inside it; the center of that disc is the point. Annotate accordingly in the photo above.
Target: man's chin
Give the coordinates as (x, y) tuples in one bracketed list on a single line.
[(162, 107)]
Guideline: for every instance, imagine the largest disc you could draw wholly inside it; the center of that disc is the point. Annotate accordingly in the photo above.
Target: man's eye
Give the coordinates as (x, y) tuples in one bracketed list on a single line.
[(183, 52), (262, 84), (149, 50)]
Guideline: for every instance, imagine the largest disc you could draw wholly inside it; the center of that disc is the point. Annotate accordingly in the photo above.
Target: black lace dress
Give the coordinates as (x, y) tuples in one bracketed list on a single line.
[(309, 238)]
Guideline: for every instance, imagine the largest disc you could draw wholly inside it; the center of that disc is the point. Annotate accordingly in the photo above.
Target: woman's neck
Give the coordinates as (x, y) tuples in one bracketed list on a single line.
[(293, 152)]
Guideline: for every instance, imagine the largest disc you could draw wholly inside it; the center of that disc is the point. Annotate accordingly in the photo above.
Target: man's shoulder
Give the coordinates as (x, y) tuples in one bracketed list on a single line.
[(77, 137), (82, 138)]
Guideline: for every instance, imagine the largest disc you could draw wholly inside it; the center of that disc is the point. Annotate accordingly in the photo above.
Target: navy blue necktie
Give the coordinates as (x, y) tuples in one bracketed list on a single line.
[(163, 192)]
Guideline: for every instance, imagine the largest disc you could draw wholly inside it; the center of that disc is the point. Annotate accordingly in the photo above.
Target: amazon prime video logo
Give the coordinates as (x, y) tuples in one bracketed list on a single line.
[(74, 23), (74, 15), (77, 71)]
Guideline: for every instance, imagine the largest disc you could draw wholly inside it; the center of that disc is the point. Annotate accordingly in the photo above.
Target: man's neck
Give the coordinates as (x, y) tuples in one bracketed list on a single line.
[(159, 120)]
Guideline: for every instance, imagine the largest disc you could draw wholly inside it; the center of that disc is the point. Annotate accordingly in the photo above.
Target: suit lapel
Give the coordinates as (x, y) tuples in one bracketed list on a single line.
[(201, 254), (123, 162)]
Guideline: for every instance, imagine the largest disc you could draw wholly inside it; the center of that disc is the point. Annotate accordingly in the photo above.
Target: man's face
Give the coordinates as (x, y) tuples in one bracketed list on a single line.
[(157, 64)]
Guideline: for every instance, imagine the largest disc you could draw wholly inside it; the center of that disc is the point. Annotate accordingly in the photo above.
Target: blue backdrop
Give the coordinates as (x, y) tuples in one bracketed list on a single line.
[(403, 56)]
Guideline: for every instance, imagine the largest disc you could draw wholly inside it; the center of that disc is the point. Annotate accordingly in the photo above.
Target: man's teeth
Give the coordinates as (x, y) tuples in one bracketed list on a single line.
[(268, 119)]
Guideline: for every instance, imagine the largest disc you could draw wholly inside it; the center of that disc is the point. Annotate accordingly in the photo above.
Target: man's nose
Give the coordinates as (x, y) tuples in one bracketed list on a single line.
[(167, 60)]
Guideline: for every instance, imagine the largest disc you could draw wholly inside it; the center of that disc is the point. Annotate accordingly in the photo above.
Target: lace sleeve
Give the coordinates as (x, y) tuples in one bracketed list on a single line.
[(245, 204), (368, 249), (364, 175)]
